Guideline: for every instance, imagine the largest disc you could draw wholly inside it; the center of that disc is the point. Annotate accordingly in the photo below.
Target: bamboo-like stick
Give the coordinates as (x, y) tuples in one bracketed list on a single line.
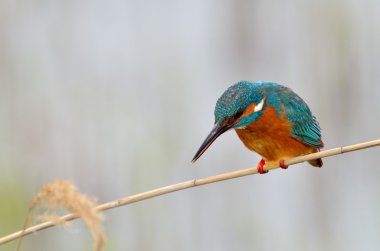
[(189, 184)]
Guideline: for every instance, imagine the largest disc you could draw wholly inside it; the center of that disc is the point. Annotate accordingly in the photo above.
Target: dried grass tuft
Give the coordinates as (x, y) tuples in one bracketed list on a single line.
[(64, 194)]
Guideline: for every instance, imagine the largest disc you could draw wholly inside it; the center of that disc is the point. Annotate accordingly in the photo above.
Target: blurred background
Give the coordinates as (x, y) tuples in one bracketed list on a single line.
[(117, 96)]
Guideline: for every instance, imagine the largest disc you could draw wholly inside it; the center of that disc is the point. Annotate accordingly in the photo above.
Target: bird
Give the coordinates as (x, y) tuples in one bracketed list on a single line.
[(270, 119)]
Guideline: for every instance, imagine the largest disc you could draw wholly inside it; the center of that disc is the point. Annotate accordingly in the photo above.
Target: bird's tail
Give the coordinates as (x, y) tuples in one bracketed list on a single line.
[(316, 162)]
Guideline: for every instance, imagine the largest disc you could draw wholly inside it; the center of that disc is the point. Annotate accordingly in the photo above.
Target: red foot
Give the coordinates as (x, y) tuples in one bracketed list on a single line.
[(282, 164), (260, 167)]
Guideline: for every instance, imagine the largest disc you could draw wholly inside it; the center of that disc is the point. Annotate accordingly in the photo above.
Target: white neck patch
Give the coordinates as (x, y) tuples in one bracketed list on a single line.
[(259, 106)]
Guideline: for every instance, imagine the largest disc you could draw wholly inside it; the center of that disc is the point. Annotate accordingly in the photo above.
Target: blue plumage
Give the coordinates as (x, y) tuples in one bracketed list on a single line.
[(236, 99)]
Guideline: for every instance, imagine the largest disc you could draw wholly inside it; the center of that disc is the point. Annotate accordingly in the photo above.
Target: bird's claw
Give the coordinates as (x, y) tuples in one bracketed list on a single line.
[(260, 167), (282, 164)]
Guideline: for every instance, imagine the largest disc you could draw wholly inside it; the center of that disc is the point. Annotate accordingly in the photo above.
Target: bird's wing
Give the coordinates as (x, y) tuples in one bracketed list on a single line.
[(305, 127)]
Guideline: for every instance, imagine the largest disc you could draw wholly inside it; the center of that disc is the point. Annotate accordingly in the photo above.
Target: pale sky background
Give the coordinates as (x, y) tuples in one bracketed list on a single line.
[(117, 96)]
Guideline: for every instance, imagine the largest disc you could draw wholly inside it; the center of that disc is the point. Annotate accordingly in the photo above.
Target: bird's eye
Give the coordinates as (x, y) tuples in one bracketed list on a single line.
[(230, 120), (237, 115), (251, 109)]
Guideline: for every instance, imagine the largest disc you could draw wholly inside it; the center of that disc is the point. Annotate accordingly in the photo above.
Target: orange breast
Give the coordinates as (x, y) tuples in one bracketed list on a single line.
[(270, 137)]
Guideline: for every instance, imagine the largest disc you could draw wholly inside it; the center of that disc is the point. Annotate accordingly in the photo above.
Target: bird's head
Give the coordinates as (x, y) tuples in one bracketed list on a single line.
[(239, 106)]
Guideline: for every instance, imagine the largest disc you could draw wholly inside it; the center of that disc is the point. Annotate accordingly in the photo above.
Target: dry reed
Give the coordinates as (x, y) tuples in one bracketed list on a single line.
[(189, 184)]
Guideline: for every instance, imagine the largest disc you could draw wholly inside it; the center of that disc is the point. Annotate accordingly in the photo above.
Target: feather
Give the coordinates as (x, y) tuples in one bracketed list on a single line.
[(305, 127)]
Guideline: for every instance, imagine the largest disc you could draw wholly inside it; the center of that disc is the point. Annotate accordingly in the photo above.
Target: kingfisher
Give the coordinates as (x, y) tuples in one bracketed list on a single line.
[(270, 119)]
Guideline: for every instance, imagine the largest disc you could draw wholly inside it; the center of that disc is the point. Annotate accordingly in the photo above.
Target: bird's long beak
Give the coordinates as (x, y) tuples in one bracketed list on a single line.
[(219, 129)]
